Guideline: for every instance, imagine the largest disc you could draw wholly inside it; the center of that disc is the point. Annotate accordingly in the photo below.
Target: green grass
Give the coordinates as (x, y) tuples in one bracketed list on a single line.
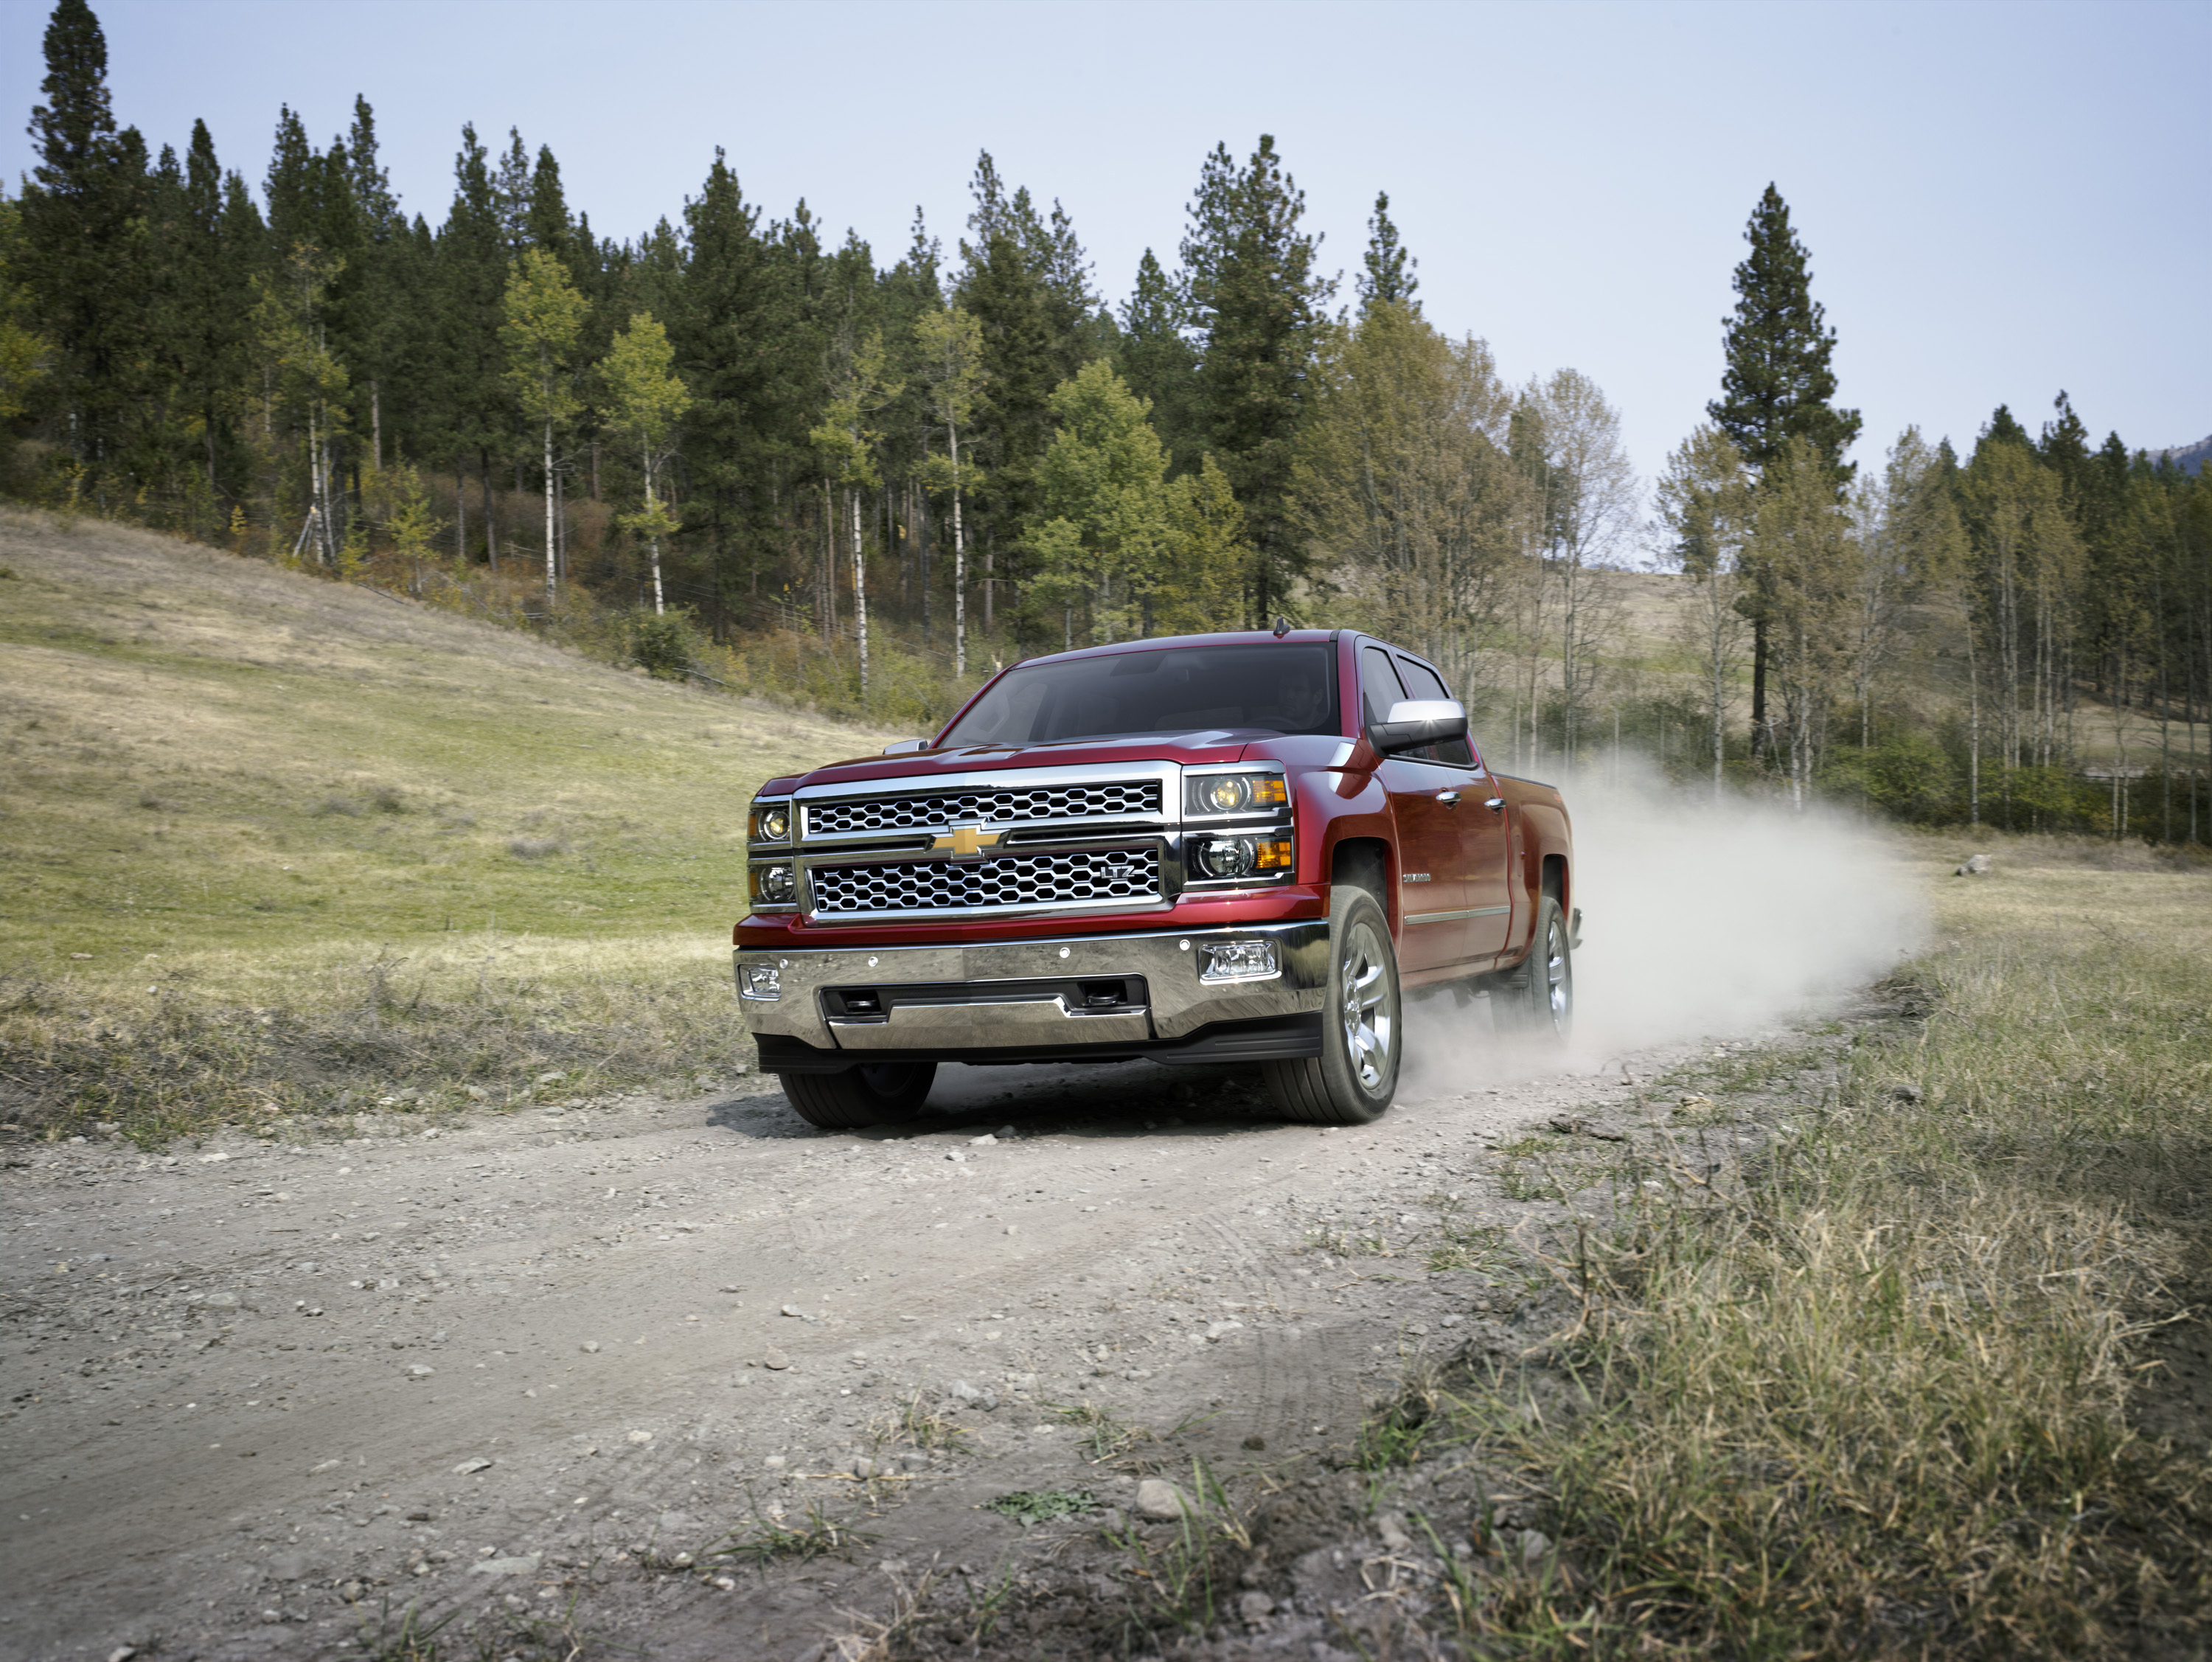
[(1026, 1505), (1912, 1381), (305, 839), (767, 1539)]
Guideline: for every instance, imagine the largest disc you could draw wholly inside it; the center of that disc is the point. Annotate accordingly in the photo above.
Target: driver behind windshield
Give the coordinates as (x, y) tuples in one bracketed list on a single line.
[(1271, 688)]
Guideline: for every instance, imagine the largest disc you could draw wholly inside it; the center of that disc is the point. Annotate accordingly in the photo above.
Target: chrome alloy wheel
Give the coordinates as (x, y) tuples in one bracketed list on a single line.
[(1368, 1003), (1558, 977)]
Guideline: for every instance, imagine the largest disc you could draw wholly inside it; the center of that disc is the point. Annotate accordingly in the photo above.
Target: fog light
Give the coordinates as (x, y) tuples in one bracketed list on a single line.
[(775, 885), (1239, 960), (761, 981), (1226, 856)]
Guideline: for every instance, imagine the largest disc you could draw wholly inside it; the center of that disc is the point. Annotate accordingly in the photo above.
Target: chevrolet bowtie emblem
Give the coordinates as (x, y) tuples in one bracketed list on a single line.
[(966, 841)]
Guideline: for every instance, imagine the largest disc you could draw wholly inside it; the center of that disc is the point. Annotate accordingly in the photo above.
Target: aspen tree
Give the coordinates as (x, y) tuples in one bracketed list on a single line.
[(949, 347), (1401, 488), (848, 445), (1705, 501), (642, 399), (1588, 504), (545, 321)]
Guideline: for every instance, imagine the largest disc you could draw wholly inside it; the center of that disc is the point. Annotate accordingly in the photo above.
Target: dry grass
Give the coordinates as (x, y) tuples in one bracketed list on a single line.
[(1907, 1388), (269, 840)]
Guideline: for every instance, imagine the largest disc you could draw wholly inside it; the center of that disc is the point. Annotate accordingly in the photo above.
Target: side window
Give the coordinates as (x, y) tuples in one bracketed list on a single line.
[(1422, 682), (1379, 687)]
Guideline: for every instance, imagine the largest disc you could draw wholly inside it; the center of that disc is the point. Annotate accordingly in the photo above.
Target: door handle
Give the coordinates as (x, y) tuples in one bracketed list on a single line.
[(1449, 798), (1496, 805)]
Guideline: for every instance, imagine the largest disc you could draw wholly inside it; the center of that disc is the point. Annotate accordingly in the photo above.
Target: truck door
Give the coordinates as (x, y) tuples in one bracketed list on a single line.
[(1484, 846), (1430, 888)]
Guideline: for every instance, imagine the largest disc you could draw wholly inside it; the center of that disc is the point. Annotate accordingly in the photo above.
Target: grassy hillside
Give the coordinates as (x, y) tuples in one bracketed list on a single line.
[(237, 801)]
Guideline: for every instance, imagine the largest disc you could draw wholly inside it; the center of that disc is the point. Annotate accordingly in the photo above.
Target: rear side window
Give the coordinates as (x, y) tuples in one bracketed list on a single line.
[(1379, 687), (1422, 682)]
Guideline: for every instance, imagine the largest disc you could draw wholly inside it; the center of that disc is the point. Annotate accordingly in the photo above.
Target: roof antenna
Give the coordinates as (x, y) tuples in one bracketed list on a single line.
[(1282, 626)]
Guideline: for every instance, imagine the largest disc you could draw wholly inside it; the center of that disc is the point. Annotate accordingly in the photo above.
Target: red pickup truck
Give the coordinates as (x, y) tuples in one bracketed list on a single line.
[(1241, 848)]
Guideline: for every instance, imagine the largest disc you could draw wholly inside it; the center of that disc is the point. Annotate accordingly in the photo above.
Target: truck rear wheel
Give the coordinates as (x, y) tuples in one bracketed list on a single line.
[(1356, 1074), (1537, 1000), (883, 1094)]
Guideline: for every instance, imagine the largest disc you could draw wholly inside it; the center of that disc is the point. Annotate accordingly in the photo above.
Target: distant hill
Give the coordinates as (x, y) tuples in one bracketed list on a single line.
[(2189, 457)]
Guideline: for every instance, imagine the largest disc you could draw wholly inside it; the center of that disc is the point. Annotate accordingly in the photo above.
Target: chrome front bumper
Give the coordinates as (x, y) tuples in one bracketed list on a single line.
[(1177, 1002)]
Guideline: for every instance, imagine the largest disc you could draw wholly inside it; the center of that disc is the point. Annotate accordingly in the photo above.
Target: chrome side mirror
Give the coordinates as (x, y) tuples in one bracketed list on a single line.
[(1414, 724)]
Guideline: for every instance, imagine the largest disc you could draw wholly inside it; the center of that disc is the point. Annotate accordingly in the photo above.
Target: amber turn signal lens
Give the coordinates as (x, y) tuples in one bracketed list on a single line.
[(1268, 792), (1275, 855)]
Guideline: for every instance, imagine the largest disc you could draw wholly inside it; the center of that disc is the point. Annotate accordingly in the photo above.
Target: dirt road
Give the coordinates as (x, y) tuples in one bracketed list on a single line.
[(513, 1367)]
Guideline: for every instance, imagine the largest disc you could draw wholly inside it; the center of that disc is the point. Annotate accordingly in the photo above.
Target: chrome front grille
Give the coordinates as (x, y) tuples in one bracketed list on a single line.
[(1112, 800), (1006, 883)]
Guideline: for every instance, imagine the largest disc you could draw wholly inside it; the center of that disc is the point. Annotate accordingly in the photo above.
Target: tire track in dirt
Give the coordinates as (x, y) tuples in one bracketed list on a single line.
[(561, 1280)]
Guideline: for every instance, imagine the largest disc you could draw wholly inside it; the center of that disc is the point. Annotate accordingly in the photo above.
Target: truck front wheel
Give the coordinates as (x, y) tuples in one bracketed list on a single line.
[(881, 1095), (1356, 1074)]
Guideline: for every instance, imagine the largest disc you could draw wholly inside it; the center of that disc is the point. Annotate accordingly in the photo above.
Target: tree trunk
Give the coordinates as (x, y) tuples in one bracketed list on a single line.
[(376, 426), (1757, 688), (959, 565), (552, 553), (491, 518), (652, 506), (860, 586)]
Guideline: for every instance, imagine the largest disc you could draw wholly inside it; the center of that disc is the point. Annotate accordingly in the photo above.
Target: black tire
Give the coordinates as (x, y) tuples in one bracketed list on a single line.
[(1352, 1080), (1537, 999), (883, 1094)]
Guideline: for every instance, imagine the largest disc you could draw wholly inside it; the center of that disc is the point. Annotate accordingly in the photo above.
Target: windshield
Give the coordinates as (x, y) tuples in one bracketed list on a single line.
[(1264, 687)]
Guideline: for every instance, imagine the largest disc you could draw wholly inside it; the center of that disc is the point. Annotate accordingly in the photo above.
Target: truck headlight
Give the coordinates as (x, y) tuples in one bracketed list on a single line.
[(772, 824), (1233, 793), (1239, 960), (774, 885), (761, 981), (1227, 856), (1241, 856)]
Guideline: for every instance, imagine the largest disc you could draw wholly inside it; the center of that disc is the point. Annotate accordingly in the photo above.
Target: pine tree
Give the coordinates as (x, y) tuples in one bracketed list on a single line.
[(26, 356), (469, 284), (1255, 301), (738, 307), (1157, 360), (1389, 277), (1779, 384), (1776, 388), (83, 260), (1027, 284)]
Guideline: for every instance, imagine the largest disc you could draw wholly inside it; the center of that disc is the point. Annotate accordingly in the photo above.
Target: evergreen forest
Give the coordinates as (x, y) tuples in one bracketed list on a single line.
[(738, 447)]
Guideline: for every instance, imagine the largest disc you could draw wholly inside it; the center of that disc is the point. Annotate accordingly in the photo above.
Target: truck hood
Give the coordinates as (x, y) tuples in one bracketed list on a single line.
[(1209, 746)]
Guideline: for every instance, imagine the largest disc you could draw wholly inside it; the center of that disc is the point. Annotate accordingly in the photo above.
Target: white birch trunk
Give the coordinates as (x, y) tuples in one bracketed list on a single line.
[(959, 565), (552, 554), (860, 586), (652, 509)]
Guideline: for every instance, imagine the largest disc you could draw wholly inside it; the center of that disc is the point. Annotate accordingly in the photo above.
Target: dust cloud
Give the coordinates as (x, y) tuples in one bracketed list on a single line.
[(1699, 919)]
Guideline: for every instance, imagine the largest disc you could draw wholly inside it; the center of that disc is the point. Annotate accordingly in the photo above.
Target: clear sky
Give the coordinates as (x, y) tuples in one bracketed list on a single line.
[(2002, 197)]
